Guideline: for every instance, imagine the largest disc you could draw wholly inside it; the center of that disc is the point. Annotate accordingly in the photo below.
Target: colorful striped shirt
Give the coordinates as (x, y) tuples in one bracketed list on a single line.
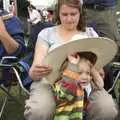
[(69, 101)]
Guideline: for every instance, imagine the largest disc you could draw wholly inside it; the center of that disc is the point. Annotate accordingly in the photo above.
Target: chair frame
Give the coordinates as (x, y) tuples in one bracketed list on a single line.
[(7, 89), (115, 83)]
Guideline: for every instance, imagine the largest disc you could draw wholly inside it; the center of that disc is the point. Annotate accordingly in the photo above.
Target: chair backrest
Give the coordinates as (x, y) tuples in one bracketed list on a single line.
[(8, 77), (9, 74)]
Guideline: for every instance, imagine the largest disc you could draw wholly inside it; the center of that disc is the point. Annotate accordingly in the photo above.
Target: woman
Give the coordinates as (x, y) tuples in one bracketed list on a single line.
[(70, 21)]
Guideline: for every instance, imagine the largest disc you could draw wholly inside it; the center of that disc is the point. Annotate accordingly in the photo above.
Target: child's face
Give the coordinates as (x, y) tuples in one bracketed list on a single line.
[(84, 72)]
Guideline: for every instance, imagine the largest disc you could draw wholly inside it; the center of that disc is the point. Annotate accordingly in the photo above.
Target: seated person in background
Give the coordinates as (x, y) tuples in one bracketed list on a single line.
[(105, 24), (104, 20), (11, 38), (11, 35), (78, 75), (50, 16), (24, 64), (34, 15)]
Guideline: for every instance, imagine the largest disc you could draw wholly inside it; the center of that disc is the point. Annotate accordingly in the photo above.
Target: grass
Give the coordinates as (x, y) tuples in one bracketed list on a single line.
[(13, 110)]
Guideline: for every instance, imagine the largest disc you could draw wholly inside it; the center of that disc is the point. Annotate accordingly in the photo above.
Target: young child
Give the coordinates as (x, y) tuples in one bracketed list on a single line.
[(78, 79)]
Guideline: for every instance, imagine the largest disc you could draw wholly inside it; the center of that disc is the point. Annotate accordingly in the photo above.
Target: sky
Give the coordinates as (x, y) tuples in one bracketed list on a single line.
[(42, 2)]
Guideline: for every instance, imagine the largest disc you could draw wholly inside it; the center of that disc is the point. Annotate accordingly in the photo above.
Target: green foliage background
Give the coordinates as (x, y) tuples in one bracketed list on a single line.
[(118, 5)]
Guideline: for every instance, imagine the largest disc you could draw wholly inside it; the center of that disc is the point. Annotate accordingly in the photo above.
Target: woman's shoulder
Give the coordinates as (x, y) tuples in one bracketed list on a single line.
[(46, 33), (47, 30), (50, 29)]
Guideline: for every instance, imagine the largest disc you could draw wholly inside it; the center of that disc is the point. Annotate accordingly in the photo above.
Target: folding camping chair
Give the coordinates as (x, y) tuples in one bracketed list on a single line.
[(116, 81), (7, 64)]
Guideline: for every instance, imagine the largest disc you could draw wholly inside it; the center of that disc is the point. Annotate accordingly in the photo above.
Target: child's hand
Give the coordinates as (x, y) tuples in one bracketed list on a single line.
[(97, 78), (102, 73), (73, 58)]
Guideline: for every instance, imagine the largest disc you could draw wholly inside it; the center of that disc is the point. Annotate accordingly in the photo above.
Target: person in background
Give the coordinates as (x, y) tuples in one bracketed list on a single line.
[(70, 21), (11, 40), (37, 25), (34, 15), (50, 16), (25, 63), (11, 35), (101, 15), (41, 14), (13, 8), (34, 19)]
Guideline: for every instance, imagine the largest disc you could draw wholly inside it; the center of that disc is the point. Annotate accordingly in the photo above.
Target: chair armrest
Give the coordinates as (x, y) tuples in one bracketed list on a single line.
[(116, 65), (8, 60)]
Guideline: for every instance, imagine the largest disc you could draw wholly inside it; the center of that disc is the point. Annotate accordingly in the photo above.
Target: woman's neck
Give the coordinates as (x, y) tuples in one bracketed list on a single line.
[(67, 30), (66, 34)]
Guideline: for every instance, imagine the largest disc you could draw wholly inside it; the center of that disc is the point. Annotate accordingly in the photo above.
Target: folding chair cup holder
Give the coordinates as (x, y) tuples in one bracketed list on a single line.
[(9, 77)]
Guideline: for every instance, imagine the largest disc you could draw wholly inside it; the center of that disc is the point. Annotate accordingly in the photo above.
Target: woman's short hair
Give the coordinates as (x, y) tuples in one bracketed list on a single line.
[(72, 3)]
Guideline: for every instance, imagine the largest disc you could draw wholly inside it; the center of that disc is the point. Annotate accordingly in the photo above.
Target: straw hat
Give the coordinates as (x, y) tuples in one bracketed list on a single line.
[(104, 48)]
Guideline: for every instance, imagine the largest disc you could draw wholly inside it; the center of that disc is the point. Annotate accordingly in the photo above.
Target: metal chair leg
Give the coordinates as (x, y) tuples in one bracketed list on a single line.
[(116, 79), (3, 106), (20, 82)]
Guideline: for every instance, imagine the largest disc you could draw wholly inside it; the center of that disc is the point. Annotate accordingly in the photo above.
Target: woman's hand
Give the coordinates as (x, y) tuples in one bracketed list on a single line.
[(38, 71)]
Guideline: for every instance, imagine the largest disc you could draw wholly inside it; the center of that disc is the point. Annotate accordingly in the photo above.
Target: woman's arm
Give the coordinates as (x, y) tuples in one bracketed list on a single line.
[(38, 69)]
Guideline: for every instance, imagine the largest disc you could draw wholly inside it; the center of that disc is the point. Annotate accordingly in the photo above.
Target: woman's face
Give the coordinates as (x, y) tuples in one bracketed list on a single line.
[(69, 17)]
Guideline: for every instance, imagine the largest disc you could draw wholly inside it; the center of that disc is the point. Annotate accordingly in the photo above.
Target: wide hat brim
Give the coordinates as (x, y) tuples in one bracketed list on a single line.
[(104, 48)]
